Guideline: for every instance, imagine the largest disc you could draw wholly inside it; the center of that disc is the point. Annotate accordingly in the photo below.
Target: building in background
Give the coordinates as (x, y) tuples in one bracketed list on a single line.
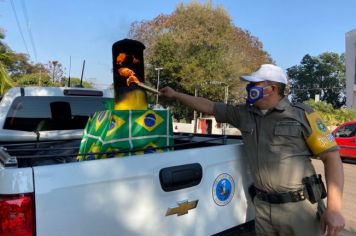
[(205, 125), (350, 62)]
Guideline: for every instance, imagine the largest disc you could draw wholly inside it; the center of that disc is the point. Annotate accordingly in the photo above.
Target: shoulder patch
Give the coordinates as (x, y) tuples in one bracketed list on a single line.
[(308, 109), (320, 139)]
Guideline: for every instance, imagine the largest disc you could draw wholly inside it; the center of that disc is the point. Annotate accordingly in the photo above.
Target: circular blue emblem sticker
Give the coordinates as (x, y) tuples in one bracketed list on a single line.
[(223, 189)]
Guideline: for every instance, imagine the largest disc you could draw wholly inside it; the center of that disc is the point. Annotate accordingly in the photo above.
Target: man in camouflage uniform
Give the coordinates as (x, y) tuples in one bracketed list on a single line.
[(280, 138)]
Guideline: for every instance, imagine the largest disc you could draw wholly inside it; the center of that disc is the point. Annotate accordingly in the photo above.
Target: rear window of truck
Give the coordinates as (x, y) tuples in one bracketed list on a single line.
[(41, 113)]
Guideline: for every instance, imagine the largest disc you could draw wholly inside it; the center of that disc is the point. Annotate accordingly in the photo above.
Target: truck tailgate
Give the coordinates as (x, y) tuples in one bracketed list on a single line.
[(123, 196)]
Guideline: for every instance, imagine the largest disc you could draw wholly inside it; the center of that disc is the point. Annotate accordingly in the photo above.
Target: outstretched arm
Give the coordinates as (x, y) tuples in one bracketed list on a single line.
[(197, 103), (332, 220)]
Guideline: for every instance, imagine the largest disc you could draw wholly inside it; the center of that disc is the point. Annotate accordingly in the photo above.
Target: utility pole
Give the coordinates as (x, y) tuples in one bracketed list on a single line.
[(226, 96), (39, 81), (225, 101), (70, 67), (226, 93), (81, 77), (158, 69), (195, 112)]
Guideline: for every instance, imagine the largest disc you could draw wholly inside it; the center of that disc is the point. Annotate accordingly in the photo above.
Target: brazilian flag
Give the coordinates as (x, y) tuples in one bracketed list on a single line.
[(116, 133)]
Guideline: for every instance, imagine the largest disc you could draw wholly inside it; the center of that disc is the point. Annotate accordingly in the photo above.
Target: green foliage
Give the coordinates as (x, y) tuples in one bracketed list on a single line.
[(16, 64), (330, 115), (76, 82), (17, 70), (196, 45), (5, 81), (35, 79), (323, 75), (4, 49), (44, 80)]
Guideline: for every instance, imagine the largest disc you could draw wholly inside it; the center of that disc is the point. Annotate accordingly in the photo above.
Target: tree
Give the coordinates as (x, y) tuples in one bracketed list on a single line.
[(15, 63), (5, 81), (331, 116), (323, 75), (19, 70), (36, 79), (76, 82), (56, 71), (5, 52), (199, 49)]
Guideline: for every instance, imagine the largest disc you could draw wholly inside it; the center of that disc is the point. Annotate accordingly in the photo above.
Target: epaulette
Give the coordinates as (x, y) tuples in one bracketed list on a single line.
[(308, 109)]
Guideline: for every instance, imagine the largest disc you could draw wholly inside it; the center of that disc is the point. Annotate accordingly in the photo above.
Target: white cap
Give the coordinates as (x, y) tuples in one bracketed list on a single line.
[(267, 72)]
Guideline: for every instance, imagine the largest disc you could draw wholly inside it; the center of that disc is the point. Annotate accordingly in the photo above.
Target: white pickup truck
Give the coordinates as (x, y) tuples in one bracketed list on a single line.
[(200, 188)]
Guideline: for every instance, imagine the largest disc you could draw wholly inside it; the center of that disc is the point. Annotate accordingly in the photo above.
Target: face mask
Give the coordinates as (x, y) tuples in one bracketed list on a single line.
[(254, 93)]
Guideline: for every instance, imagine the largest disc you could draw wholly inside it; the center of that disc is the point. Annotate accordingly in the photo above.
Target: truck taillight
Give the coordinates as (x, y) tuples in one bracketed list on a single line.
[(17, 215)]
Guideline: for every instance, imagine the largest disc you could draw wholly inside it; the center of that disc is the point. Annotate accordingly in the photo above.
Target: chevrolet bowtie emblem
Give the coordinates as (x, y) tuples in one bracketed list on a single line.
[(182, 209)]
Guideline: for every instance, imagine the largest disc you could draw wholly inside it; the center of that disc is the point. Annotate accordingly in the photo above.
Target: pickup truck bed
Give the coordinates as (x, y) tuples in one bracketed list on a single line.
[(132, 195)]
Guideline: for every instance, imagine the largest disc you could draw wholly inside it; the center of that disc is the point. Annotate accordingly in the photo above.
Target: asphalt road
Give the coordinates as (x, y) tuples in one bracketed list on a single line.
[(349, 196)]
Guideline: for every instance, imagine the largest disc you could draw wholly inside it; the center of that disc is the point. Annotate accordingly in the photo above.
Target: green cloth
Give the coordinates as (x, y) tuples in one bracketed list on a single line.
[(109, 104), (126, 132)]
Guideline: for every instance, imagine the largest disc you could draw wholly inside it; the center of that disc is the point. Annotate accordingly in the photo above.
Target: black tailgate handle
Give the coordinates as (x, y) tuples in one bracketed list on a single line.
[(179, 177)]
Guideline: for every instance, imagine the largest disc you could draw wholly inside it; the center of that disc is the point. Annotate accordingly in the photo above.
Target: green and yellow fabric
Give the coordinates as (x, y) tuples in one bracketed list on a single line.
[(126, 132)]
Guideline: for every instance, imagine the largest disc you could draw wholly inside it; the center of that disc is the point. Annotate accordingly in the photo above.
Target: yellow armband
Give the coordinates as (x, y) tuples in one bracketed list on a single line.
[(320, 138)]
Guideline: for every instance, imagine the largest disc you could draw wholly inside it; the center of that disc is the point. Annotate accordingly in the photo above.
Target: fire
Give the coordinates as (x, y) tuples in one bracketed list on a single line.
[(126, 72), (130, 76), (120, 58)]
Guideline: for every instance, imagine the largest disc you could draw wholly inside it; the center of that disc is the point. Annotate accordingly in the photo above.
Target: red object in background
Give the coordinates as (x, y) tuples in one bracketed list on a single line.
[(345, 136), (203, 126)]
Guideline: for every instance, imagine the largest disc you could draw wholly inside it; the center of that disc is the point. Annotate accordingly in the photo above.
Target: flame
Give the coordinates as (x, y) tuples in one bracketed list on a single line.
[(126, 72), (132, 79), (130, 76), (120, 58)]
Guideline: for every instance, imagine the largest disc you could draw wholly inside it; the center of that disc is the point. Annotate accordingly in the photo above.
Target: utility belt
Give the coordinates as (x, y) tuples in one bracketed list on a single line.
[(313, 190)]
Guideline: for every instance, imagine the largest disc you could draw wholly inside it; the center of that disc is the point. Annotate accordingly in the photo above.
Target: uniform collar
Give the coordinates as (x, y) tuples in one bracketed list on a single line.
[(281, 106)]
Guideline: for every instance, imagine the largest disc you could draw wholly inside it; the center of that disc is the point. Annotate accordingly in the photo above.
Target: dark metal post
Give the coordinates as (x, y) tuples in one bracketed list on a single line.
[(81, 78)]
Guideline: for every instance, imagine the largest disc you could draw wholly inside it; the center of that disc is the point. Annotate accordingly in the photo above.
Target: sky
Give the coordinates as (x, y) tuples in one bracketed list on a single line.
[(71, 31)]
